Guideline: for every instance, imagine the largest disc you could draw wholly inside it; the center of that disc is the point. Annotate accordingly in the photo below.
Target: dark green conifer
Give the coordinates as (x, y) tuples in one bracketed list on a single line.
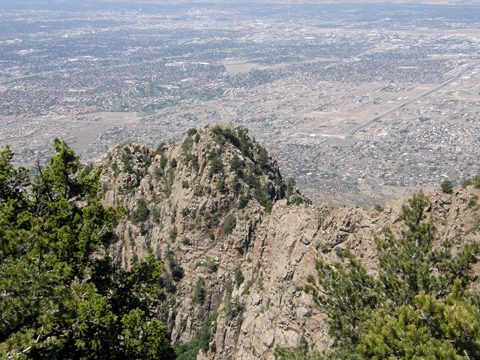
[(408, 266), (60, 298)]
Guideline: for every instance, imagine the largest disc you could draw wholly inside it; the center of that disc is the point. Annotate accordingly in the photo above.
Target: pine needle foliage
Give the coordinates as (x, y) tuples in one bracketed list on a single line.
[(428, 329), (408, 266), (61, 298)]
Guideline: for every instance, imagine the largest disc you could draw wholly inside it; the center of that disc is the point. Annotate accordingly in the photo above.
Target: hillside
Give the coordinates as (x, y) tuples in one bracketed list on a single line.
[(239, 241)]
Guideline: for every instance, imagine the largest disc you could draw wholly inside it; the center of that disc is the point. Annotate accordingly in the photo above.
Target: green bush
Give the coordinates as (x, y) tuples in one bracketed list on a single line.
[(127, 161), (297, 200), (237, 165), (476, 182), (88, 169), (176, 269), (472, 202), (216, 166), (198, 191), (142, 229), (242, 202), (268, 206), (221, 186), (229, 225), (141, 212), (199, 293), (447, 187), (160, 149), (172, 234), (246, 291), (263, 158), (219, 140), (260, 196), (200, 341), (187, 144), (163, 162), (239, 278), (192, 160), (235, 183), (290, 186), (467, 182), (156, 215), (252, 180)]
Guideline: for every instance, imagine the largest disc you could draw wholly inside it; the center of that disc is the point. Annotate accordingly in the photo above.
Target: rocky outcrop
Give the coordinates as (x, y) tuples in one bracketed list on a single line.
[(238, 241)]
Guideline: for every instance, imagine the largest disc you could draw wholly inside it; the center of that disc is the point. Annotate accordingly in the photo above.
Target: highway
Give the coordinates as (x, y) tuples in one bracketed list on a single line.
[(363, 126)]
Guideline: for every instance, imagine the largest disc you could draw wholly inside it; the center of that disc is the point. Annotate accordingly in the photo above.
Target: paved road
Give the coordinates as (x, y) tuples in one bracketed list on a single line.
[(363, 126)]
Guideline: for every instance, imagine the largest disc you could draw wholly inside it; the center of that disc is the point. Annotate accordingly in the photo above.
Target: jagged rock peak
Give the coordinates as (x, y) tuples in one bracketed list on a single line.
[(197, 205), (213, 185), (222, 160), (238, 242)]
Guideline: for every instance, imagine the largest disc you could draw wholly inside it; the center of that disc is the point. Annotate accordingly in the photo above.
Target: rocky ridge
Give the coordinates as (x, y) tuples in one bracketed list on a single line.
[(238, 241)]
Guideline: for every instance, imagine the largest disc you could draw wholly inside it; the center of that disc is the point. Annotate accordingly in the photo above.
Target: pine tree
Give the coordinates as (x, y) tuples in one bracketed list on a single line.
[(426, 329), (61, 298), (407, 267)]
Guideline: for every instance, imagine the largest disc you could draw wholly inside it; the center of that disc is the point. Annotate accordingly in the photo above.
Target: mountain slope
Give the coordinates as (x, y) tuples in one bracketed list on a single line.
[(238, 241)]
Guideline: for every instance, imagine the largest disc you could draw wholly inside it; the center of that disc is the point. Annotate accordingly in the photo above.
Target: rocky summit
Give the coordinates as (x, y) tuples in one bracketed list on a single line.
[(238, 241)]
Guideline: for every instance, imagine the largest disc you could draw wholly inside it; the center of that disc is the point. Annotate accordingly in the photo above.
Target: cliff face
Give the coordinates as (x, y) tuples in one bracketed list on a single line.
[(238, 241)]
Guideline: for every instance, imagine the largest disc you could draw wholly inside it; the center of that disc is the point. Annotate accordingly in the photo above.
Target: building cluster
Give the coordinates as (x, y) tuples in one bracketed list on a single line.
[(299, 79)]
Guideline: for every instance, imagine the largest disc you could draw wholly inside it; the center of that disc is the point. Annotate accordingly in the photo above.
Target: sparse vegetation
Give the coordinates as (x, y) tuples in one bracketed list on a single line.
[(200, 292), (176, 270), (260, 283), (160, 149), (246, 291), (172, 234), (297, 200), (191, 132), (230, 223), (200, 341), (216, 166), (268, 206), (447, 187), (221, 186), (141, 212), (239, 278)]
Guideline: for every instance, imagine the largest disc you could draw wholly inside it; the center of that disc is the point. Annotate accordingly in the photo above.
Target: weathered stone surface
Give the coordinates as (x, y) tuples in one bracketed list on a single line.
[(275, 252)]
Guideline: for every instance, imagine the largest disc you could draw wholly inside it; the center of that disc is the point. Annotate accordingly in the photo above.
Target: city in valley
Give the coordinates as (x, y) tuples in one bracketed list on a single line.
[(360, 103)]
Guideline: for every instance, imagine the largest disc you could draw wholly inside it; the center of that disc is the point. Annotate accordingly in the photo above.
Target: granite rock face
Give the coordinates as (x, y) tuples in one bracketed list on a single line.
[(238, 241)]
